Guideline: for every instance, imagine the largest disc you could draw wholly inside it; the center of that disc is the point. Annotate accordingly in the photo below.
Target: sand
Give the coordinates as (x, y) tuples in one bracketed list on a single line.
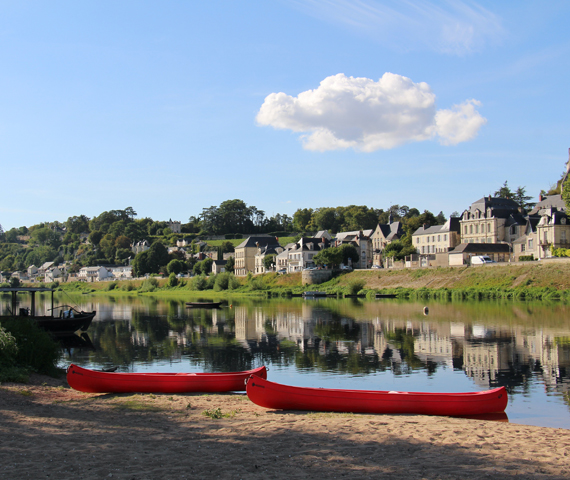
[(49, 431)]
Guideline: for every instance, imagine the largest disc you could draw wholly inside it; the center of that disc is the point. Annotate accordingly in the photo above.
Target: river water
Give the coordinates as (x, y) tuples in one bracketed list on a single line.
[(350, 343)]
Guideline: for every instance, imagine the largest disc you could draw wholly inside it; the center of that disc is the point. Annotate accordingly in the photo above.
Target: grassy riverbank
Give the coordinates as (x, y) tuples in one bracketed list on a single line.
[(524, 281)]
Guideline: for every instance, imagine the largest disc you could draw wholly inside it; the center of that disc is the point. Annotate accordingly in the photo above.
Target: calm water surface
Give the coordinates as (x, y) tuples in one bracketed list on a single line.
[(354, 344)]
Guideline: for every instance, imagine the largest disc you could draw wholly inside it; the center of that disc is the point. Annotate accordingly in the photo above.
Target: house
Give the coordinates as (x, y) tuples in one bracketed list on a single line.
[(175, 226), (382, 236), (301, 254), (218, 266), (52, 274), (93, 274), (282, 259), (461, 255), (547, 228), (492, 220), (122, 272), (438, 238), (32, 271), (262, 253), (246, 251), (361, 241), (139, 247)]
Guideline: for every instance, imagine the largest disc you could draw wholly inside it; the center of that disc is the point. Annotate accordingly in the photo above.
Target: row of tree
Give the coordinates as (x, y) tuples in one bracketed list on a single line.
[(112, 233)]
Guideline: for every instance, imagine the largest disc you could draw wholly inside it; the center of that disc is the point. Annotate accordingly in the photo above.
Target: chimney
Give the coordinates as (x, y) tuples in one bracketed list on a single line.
[(540, 198)]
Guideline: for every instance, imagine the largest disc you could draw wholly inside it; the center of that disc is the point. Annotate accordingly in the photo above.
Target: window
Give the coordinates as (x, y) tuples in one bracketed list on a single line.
[(476, 228), (465, 229), (445, 237), (470, 228), (563, 236), (522, 247), (530, 247), (439, 238)]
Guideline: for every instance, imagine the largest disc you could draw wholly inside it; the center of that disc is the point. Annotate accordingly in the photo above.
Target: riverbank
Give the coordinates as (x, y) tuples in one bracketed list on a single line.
[(538, 280), (51, 430)]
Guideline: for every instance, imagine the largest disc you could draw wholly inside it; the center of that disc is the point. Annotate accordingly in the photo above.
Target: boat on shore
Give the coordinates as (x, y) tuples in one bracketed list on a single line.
[(203, 304), (283, 397), (314, 293), (95, 381), (64, 319)]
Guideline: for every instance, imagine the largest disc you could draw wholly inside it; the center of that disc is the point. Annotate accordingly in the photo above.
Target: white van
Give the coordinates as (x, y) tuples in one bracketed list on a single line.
[(481, 260)]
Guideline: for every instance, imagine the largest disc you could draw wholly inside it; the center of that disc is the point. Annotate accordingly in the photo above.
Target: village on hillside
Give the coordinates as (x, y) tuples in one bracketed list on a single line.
[(493, 230)]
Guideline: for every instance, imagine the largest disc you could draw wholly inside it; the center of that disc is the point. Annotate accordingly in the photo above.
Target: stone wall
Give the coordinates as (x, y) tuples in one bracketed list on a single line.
[(311, 277)]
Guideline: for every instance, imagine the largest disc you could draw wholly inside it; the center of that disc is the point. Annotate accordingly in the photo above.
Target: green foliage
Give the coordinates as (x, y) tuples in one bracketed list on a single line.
[(331, 257), (172, 280), (199, 282), (269, 261), (566, 194), (530, 258), (175, 266), (217, 413), (149, 285), (355, 286), (36, 350)]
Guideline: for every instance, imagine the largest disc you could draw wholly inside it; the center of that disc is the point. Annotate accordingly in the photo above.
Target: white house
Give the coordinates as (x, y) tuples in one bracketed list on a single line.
[(93, 274)]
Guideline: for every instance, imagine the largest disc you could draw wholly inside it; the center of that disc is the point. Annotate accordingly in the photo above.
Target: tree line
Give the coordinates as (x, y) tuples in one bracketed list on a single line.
[(111, 234)]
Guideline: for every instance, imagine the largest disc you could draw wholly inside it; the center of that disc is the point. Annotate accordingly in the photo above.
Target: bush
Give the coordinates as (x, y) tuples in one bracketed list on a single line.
[(526, 258), (355, 286), (111, 286), (127, 287), (172, 280), (36, 351), (149, 285), (199, 282)]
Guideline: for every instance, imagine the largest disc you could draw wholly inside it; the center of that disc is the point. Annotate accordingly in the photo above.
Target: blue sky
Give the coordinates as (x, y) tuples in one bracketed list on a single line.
[(173, 106)]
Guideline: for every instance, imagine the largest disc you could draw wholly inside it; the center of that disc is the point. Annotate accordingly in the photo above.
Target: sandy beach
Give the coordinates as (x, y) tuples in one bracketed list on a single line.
[(48, 430)]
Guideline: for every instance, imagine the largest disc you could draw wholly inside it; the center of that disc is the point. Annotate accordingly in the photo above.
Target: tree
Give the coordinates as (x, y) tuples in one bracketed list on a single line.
[(301, 219), (522, 198), (504, 191), (1, 233), (269, 262), (175, 266), (230, 265), (331, 257), (566, 194), (349, 254)]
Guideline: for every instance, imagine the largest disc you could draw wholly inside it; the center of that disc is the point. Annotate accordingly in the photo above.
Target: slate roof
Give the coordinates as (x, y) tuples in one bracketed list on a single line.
[(481, 248), (261, 239)]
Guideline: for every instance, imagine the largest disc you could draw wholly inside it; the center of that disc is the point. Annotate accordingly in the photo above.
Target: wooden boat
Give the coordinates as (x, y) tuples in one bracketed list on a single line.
[(203, 304), (94, 381), (274, 395), (314, 293), (64, 319)]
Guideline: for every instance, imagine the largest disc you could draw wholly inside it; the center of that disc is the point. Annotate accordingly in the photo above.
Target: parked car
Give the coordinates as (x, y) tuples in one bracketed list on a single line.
[(282, 271), (376, 266), (481, 260), (345, 267)]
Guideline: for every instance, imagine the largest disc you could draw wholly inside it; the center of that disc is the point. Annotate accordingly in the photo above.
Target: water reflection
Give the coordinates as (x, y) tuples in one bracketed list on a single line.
[(457, 347)]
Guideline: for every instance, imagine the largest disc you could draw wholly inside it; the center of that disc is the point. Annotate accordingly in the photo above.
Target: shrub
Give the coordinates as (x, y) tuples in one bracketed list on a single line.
[(526, 258), (199, 282), (36, 349), (355, 286), (172, 280), (111, 286), (127, 287), (149, 285)]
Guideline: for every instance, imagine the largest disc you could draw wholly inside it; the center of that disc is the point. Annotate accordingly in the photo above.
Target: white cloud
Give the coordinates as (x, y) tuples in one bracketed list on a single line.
[(459, 124), (359, 113), (454, 27)]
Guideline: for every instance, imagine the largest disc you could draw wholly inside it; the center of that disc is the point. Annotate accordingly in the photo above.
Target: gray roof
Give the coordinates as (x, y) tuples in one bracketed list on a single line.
[(500, 207), (262, 240), (552, 201), (481, 248)]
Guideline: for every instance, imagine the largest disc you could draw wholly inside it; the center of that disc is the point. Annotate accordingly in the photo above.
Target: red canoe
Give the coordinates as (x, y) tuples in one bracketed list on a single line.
[(94, 381), (282, 397)]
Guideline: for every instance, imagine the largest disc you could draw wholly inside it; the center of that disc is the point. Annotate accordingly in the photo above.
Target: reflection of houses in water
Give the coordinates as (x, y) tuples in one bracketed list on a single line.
[(549, 352), (429, 346)]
